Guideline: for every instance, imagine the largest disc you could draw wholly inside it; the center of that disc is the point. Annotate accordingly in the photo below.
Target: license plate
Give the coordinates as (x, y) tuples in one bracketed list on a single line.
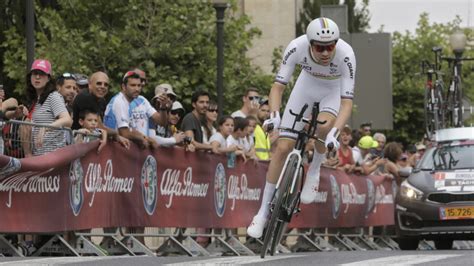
[(456, 213)]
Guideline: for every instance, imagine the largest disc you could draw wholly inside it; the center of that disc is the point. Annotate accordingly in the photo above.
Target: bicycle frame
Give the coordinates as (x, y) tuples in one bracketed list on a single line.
[(303, 137), (285, 200)]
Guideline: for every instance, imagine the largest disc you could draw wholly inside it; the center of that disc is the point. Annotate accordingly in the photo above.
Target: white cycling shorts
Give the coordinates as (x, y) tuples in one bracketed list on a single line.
[(309, 90)]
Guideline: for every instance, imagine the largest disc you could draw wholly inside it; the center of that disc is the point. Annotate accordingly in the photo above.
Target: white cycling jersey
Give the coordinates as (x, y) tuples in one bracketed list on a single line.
[(316, 83)]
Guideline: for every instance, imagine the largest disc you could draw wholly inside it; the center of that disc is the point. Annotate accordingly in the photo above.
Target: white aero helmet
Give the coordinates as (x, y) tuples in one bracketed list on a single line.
[(322, 30)]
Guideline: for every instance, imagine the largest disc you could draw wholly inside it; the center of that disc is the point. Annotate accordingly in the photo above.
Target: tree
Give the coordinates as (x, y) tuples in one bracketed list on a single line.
[(173, 41)]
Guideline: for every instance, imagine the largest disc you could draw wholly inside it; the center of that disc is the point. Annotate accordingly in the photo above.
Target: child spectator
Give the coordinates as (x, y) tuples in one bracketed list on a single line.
[(225, 127), (346, 161), (240, 125), (90, 130)]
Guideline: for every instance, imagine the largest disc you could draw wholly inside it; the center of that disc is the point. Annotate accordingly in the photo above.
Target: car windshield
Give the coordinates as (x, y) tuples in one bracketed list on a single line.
[(448, 157)]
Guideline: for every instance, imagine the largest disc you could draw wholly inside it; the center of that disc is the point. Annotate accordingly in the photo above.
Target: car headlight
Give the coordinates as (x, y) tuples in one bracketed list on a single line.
[(410, 192)]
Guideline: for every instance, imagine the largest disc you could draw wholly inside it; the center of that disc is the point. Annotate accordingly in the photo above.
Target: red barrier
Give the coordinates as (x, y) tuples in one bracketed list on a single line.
[(166, 188)]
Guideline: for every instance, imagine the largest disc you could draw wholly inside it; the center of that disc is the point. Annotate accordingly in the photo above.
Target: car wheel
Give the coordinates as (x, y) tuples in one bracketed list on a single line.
[(444, 244), (408, 243)]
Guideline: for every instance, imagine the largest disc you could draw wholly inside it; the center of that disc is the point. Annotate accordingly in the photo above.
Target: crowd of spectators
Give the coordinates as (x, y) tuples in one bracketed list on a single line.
[(79, 102), (72, 100)]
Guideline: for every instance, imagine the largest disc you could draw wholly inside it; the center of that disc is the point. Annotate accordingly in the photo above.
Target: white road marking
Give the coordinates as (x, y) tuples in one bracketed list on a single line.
[(400, 260), (56, 261), (244, 260)]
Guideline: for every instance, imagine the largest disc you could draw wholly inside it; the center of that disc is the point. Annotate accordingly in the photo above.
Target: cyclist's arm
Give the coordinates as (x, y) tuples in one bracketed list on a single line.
[(348, 73), (344, 113), (276, 94)]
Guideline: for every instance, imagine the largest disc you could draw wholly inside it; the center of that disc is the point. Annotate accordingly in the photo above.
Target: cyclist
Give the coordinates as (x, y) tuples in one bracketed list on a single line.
[(328, 73)]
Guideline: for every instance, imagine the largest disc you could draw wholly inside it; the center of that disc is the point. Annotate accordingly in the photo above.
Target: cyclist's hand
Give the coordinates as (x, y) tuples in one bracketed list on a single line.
[(331, 139), (273, 122)]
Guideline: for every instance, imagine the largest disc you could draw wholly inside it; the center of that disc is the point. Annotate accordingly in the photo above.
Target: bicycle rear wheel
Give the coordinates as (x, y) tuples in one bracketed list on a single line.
[(273, 231)]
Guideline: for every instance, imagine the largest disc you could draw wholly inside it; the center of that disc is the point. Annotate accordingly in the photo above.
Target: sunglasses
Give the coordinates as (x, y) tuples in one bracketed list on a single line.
[(257, 98), (68, 76), (176, 112), (99, 83), (322, 48), (212, 110)]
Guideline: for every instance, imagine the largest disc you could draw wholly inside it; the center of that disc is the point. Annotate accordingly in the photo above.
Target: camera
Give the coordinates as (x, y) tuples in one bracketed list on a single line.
[(187, 140)]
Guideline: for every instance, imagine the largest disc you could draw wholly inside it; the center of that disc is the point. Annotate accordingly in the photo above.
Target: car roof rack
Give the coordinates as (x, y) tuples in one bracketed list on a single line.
[(452, 134)]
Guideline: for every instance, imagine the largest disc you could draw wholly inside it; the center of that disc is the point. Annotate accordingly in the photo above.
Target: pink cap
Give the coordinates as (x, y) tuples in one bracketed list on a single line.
[(43, 65)]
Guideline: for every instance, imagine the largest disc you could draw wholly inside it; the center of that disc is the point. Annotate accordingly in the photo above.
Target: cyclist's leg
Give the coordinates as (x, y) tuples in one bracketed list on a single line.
[(329, 107), (285, 144)]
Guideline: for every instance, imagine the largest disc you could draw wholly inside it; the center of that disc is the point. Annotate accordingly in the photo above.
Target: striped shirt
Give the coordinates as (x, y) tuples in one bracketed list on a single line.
[(46, 114)]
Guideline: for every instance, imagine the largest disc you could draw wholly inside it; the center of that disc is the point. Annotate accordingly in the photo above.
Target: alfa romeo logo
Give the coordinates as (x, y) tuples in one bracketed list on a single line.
[(336, 197), (149, 184), (76, 194), (220, 190)]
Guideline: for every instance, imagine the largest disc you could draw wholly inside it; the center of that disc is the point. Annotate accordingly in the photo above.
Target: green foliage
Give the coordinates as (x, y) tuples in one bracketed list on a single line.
[(172, 41), (408, 85)]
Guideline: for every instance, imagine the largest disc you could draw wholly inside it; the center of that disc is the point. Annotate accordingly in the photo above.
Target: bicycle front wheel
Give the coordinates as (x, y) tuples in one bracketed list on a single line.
[(275, 226)]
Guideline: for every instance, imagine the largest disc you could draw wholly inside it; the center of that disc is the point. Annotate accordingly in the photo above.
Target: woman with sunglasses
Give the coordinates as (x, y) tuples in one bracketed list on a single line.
[(327, 76), (208, 122)]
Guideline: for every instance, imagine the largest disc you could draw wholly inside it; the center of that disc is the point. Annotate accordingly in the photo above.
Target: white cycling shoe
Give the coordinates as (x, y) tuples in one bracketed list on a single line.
[(255, 229), (309, 192)]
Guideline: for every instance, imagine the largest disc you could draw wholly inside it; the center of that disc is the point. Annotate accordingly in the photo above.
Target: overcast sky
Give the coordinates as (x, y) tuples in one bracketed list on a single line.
[(401, 15)]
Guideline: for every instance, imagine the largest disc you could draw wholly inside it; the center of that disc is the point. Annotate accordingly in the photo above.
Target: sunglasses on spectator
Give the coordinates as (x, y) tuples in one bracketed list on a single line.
[(254, 98), (321, 48), (99, 83), (68, 76), (212, 110), (176, 112)]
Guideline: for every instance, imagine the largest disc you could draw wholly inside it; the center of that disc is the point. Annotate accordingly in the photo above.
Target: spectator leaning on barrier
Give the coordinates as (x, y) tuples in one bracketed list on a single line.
[(93, 99), (90, 130), (370, 162), (344, 153), (208, 122), (192, 121), (262, 139), (48, 108), (162, 102), (170, 135), (250, 105), (66, 86), (240, 124), (130, 113), (393, 152), (225, 127)]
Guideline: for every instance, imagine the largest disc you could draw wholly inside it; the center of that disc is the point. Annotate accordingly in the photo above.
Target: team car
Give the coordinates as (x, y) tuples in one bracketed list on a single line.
[(436, 202)]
